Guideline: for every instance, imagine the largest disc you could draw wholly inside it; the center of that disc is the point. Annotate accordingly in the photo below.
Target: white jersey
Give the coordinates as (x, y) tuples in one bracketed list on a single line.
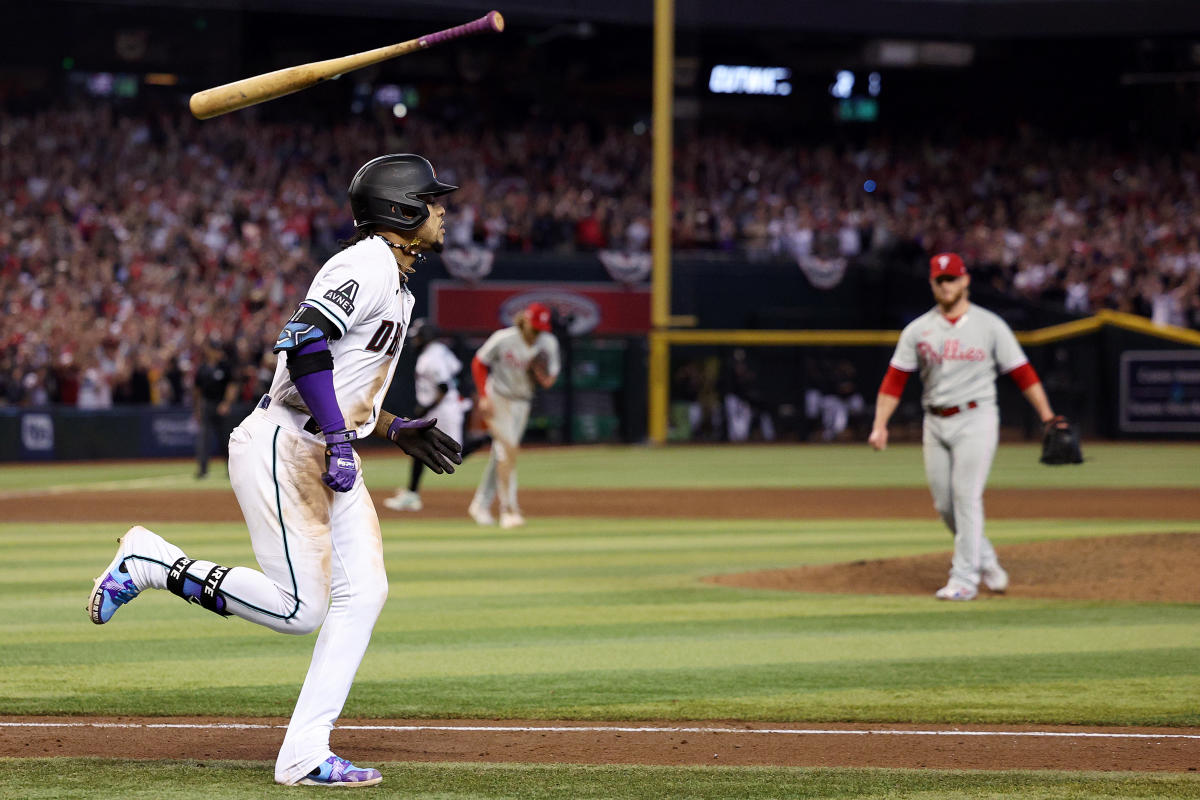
[(436, 365), (959, 360), (508, 357), (360, 291)]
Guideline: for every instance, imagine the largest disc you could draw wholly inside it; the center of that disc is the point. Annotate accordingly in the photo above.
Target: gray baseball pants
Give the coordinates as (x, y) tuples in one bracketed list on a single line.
[(958, 454)]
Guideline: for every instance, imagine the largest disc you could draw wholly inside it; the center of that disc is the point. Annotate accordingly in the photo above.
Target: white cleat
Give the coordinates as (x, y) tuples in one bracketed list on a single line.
[(956, 590), (511, 519), (996, 579), (480, 514), (404, 501)]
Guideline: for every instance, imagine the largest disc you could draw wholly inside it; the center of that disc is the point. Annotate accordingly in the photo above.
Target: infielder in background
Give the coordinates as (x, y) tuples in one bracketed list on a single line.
[(505, 370), (436, 385), (296, 475), (959, 348)]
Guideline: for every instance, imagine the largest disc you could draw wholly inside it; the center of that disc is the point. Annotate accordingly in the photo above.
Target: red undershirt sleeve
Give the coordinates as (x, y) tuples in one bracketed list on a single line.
[(1024, 376), (894, 381), (479, 371)]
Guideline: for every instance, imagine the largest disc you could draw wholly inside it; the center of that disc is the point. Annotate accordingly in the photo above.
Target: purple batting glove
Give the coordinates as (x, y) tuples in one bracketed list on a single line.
[(340, 467)]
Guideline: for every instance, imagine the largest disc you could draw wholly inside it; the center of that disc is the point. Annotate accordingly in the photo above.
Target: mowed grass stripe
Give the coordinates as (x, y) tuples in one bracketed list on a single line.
[(616, 543), (789, 615), (1108, 465), (85, 779), (238, 665), (79, 541), (1141, 692)]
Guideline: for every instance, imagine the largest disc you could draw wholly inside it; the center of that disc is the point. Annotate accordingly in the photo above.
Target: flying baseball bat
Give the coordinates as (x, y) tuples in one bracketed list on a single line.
[(260, 88)]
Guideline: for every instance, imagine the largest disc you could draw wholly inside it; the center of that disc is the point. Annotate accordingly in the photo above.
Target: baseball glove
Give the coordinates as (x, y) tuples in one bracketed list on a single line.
[(1060, 443), (539, 370)]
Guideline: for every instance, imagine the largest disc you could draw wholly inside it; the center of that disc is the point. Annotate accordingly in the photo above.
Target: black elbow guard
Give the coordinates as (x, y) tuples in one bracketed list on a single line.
[(301, 364)]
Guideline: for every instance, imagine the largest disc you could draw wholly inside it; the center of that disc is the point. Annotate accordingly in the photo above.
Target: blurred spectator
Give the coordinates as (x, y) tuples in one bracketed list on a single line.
[(743, 401), (697, 405), (123, 238), (835, 402)]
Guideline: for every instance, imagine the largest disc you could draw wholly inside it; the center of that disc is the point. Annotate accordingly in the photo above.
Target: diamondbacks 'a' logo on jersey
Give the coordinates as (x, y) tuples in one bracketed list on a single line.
[(343, 296)]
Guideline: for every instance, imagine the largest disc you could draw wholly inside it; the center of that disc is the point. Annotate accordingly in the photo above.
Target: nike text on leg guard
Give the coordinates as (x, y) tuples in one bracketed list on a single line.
[(205, 593)]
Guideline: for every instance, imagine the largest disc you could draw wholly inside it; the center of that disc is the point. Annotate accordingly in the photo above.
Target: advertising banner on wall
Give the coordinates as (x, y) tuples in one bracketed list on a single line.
[(168, 433), (1160, 391), (37, 435), (587, 308)]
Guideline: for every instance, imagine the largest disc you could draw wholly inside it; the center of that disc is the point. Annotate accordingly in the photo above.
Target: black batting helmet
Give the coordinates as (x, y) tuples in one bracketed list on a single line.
[(388, 191)]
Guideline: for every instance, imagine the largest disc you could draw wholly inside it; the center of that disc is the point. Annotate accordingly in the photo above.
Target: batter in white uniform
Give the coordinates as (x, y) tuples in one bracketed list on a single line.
[(505, 371), (297, 478), (959, 348), (436, 387)]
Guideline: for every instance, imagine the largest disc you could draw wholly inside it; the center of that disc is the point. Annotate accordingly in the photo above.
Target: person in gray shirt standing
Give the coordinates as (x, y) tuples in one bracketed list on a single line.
[(959, 349), (505, 371)]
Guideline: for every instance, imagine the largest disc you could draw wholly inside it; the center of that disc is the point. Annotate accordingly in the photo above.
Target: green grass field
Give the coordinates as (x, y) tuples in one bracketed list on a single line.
[(594, 619), (727, 466), (56, 779)]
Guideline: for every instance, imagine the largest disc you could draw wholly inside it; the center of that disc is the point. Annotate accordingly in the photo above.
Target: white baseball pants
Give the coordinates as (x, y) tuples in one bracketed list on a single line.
[(321, 555)]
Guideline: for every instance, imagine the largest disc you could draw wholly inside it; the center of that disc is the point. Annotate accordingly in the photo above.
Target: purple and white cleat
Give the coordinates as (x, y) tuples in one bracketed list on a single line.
[(335, 771), (113, 589)]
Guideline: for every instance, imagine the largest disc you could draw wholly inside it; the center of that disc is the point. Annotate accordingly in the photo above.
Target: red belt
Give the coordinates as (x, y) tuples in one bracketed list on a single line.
[(950, 411)]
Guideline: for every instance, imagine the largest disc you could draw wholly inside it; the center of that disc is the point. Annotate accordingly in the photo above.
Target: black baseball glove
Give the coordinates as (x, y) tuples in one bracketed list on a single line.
[(1060, 443), (539, 370), (427, 444)]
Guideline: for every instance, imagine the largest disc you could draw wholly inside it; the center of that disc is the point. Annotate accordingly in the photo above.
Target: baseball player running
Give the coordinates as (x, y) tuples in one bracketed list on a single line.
[(505, 370), (959, 349), (297, 477), (436, 384)]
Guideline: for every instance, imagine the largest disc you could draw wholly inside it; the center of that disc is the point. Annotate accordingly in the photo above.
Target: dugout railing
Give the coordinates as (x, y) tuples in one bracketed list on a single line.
[(1118, 375)]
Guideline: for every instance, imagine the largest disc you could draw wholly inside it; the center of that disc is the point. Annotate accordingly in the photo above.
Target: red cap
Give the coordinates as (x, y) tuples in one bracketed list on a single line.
[(946, 264), (539, 316)]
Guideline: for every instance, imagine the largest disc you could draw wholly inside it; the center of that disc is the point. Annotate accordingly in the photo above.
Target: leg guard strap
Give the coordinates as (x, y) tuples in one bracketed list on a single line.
[(206, 593), (209, 597), (176, 577)]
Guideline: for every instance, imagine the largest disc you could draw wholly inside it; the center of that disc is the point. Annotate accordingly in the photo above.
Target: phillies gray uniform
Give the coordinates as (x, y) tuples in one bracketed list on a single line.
[(320, 551), (959, 362), (510, 390)]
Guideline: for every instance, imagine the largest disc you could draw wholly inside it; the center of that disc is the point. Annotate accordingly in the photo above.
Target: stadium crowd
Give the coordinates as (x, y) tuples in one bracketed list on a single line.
[(127, 242)]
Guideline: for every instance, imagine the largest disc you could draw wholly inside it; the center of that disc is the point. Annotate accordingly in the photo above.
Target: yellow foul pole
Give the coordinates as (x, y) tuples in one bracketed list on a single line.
[(660, 287)]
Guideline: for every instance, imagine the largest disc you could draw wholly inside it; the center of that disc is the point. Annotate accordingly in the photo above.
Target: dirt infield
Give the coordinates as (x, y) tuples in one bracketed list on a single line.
[(1152, 568), (668, 743), (128, 507)]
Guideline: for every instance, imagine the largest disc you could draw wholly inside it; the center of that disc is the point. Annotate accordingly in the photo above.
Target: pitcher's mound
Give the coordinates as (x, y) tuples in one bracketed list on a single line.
[(1153, 568)]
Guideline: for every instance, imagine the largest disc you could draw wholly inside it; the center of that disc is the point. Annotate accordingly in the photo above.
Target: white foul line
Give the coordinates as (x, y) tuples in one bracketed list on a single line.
[(613, 729)]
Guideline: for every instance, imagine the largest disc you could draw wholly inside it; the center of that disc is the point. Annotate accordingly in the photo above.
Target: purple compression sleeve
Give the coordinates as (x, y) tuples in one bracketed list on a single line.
[(316, 390)]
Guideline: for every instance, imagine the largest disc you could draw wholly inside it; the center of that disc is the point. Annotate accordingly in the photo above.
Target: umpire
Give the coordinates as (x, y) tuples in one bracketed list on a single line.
[(213, 393)]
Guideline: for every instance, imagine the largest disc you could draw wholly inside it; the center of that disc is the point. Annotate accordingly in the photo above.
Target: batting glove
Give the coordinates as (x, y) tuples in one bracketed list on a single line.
[(421, 440), (340, 466)]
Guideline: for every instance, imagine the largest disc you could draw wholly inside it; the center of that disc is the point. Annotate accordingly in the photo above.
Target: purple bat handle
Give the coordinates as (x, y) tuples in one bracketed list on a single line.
[(492, 22)]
